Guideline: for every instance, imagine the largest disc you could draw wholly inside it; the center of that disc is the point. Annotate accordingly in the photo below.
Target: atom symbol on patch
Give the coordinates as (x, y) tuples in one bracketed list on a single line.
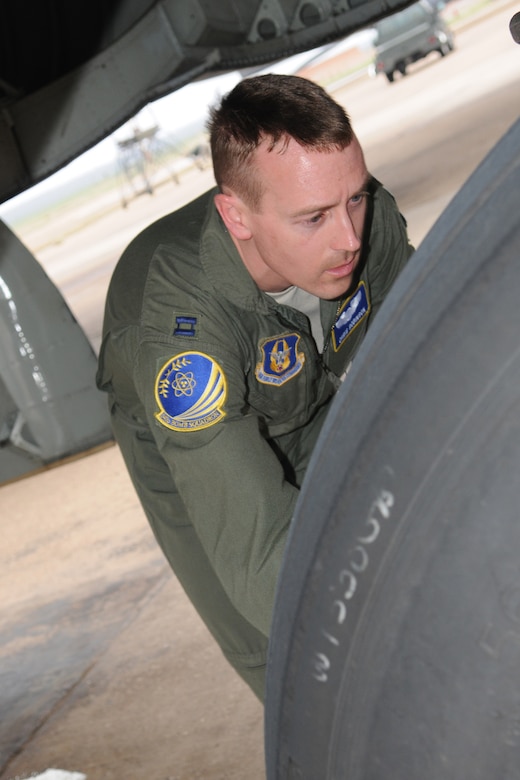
[(183, 384)]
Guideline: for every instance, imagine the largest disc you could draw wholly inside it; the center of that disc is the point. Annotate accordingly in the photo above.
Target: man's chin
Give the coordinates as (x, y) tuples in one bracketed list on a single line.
[(336, 288)]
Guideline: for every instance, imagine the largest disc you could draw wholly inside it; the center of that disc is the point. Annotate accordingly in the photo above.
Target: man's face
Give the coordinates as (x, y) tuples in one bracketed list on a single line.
[(308, 229)]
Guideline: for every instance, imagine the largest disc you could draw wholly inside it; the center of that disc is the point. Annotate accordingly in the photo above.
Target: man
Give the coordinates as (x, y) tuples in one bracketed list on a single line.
[(228, 328)]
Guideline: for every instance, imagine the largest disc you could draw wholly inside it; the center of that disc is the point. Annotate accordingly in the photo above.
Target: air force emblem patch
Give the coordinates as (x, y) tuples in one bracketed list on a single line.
[(190, 390), (281, 360), (353, 311)]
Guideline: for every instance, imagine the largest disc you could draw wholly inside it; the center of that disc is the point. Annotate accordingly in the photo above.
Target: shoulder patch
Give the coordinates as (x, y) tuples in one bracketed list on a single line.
[(185, 325), (190, 390), (353, 311), (281, 360)]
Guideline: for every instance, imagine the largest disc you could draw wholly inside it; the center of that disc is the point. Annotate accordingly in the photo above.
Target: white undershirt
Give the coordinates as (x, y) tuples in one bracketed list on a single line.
[(308, 304)]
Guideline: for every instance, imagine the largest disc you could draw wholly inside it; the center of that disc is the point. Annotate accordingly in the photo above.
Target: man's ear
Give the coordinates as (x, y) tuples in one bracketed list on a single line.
[(234, 215)]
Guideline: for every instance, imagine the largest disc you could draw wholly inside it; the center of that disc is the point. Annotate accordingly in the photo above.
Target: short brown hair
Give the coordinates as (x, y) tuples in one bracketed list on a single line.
[(274, 107)]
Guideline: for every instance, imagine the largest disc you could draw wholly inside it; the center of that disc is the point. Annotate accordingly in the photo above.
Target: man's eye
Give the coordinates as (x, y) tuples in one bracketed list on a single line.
[(356, 201), (359, 198), (316, 219)]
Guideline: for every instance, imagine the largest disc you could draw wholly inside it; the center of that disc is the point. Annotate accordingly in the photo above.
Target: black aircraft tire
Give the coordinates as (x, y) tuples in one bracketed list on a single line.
[(395, 645)]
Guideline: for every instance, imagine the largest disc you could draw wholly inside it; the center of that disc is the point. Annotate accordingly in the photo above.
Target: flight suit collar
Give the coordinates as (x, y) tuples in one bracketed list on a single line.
[(223, 265)]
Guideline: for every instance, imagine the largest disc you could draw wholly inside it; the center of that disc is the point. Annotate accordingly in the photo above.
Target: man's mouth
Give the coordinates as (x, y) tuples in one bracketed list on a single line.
[(344, 269)]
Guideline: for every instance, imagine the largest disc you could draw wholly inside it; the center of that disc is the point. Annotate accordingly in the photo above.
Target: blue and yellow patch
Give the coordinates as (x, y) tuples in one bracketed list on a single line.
[(281, 360), (351, 314), (190, 390)]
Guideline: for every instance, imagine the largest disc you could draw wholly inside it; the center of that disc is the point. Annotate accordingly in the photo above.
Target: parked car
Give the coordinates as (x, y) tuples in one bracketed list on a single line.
[(408, 36)]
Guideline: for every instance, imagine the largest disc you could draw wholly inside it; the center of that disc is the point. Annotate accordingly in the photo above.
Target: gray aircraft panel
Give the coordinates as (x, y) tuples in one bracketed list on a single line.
[(50, 407)]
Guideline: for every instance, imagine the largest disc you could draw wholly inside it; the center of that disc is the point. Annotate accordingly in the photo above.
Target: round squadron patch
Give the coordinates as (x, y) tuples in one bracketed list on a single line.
[(190, 390)]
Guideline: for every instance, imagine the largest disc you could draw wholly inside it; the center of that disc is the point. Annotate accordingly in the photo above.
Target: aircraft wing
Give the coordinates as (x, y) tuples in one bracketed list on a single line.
[(72, 73)]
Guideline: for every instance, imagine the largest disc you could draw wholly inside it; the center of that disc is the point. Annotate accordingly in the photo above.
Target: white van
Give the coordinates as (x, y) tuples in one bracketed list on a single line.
[(408, 36)]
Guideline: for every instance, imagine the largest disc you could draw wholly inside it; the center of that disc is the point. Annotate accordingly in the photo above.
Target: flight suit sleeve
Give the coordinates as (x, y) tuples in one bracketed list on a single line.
[(231, 482)]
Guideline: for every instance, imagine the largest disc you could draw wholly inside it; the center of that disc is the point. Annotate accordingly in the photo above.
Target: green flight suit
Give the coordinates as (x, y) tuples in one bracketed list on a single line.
[(217, 395)]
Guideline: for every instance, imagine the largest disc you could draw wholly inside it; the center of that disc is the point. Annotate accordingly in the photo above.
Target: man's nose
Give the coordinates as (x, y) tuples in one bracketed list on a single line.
[(347, 237)]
